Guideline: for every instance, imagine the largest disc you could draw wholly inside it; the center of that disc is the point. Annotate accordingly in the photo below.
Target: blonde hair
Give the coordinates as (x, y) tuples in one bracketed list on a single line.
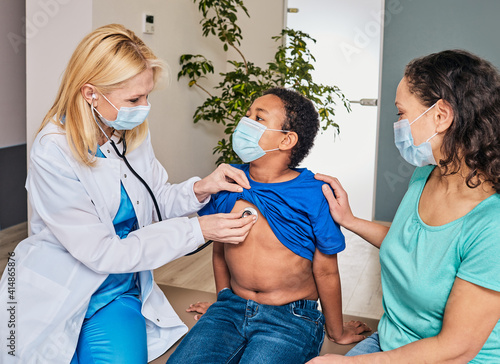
[(105, 58)]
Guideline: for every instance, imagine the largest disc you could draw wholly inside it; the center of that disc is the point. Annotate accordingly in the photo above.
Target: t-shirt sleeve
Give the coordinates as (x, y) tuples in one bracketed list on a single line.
[(219, 203), (480, 257), (329, 238)]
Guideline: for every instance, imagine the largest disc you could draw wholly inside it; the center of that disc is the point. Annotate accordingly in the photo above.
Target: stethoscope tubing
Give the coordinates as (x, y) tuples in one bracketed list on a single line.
[(157, 208)]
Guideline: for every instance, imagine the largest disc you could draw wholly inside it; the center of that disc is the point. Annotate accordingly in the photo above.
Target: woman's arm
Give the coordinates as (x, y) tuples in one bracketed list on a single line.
[(341, 212), (471, 314), (326, 275)]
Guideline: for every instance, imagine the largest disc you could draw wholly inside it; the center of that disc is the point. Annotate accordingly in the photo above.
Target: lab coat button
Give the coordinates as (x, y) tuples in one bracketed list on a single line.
[(108, 151), (138, 202), (158, 319), (125, 175)]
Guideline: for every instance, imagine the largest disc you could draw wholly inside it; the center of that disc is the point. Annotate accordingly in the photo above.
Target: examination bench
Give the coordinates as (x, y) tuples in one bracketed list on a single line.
[(181, 298)]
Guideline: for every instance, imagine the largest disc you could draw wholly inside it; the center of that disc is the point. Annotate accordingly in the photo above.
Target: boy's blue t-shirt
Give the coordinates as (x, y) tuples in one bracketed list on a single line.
[(296, 210)]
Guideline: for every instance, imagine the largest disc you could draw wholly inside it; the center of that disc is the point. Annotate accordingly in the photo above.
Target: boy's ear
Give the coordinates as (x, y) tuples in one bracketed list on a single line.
[(289, 141)]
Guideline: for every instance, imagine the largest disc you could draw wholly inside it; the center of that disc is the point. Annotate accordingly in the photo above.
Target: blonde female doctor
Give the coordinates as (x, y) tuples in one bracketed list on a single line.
[(83, 290)]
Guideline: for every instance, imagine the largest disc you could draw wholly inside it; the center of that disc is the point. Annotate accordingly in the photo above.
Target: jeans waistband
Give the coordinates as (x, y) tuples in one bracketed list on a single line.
[(305, 304)]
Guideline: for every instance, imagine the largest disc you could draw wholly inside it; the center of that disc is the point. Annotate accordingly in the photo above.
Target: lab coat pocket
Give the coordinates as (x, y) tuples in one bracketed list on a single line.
[(40, 300)]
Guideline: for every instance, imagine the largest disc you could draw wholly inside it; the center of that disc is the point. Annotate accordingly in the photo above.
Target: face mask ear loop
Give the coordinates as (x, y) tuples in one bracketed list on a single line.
[(420, 114), (436, 133), (109, 102)]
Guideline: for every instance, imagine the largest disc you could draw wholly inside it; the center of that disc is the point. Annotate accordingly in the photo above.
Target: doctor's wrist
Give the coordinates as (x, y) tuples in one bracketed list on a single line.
[(200, 190)]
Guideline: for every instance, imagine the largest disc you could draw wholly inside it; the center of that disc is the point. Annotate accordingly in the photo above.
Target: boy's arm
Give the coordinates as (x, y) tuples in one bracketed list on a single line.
[(327, 277), (221, 271)]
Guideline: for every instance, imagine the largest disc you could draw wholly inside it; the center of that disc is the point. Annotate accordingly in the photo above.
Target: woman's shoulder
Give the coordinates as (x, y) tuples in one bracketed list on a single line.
[(486, 213), (421, 174), (51, 136)]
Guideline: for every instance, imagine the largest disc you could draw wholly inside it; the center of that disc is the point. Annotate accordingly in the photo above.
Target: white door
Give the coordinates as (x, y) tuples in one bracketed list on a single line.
[(347, 52)]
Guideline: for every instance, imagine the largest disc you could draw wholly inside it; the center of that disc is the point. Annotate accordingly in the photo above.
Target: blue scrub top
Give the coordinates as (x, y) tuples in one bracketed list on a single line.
[(116, 285)]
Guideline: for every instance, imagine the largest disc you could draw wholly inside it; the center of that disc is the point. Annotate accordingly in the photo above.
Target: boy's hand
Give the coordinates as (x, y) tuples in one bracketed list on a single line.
[(198, 307), (224, 178), (352, 333)]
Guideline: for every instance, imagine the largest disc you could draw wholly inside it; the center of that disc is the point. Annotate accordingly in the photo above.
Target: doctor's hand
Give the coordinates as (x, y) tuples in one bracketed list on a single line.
[(226, 228), (338, 200), (224, 178)]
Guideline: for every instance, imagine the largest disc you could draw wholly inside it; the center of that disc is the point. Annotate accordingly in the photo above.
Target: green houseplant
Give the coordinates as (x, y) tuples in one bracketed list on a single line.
[(228, 103)]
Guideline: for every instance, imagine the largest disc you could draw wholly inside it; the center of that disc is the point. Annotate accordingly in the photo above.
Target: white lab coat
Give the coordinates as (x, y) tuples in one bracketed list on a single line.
[(73, 247)]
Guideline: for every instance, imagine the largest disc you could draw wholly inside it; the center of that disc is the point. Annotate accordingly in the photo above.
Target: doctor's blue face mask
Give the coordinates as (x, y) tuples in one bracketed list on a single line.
[(127, 117), (417, 155), (246, 138)]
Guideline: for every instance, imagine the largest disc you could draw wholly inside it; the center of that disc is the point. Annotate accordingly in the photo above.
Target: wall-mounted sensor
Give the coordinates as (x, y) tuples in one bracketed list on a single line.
[(148, 24)]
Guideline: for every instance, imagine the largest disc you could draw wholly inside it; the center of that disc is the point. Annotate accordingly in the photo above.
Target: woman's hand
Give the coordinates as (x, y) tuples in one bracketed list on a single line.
[(224, 178), (198, 307), (226, 228), (338, 200)]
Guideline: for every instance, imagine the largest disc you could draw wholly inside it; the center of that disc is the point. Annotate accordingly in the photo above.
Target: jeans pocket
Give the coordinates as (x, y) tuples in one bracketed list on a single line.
[(309, 315)]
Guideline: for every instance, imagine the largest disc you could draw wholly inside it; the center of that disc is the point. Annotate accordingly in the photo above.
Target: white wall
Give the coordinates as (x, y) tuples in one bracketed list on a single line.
[(12, 74), (53, 30), (184, 148)]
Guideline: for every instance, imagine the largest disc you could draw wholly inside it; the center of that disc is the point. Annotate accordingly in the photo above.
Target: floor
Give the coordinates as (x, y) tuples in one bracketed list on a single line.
[(358, 264)]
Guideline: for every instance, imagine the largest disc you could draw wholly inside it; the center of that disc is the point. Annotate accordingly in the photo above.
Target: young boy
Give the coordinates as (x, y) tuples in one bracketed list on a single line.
[(268, 286)]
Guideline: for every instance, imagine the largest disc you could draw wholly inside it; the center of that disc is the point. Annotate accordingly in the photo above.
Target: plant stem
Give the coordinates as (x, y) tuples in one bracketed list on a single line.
[(197, 85), (242, 56), (232, 45)]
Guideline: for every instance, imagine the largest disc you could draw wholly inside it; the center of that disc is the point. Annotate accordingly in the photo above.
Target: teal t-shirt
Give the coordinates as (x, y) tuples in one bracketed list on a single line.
[(419, 264)]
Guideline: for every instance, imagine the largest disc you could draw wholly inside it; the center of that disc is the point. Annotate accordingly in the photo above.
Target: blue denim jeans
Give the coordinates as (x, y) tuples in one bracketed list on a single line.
[(114, 334), (235, 330), (369, 345)]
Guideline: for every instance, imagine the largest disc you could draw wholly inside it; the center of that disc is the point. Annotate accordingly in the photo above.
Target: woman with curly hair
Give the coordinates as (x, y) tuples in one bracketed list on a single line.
[(439, 259)]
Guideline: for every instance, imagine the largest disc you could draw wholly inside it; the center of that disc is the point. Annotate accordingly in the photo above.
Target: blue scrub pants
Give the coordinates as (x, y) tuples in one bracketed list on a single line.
[(235, 330), (114, 334)]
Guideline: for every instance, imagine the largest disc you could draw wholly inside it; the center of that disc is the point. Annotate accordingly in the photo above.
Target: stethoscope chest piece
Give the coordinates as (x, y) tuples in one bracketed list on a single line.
[(247, 211)]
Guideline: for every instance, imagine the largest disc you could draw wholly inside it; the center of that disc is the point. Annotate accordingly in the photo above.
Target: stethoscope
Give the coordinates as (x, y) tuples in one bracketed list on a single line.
[(246, 212)]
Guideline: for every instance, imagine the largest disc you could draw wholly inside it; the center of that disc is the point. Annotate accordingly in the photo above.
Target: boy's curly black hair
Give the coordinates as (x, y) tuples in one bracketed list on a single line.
[(301, 117)]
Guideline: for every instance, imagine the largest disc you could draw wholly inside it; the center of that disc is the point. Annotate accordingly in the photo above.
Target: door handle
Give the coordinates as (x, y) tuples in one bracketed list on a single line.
[(365, 102)]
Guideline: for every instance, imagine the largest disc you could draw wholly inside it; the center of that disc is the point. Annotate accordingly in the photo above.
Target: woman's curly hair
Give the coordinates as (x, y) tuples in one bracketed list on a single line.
[(301, 117), (471, 86)]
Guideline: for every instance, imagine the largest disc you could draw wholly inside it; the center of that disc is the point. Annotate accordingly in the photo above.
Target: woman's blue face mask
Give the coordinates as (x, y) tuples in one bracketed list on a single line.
[(127, 117), (417, 155), (246, 138)]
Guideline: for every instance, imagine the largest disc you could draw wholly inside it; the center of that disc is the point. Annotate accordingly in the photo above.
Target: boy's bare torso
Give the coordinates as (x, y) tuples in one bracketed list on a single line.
[(264, 270)]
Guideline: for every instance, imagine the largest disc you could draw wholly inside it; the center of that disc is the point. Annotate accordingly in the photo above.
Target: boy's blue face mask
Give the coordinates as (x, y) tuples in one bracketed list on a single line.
[(127, 117), (417, 155), (246, 138)]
